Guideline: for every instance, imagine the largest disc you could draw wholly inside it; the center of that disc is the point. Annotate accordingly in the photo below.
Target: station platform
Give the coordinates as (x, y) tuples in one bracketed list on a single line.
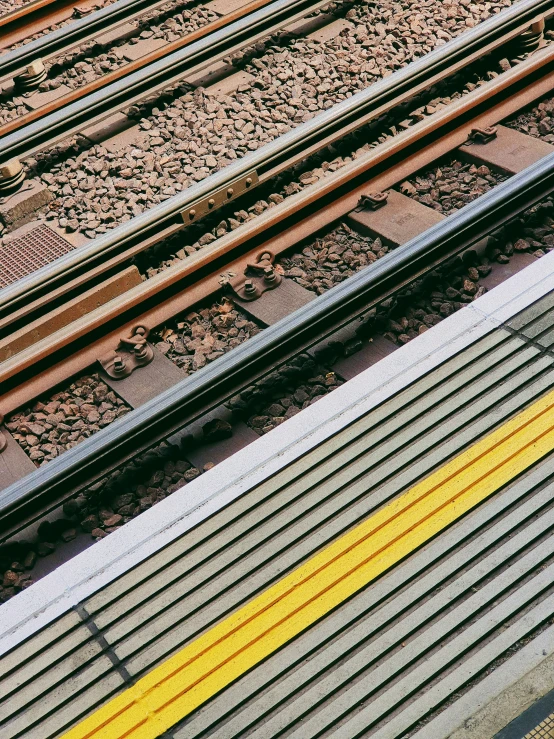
[(381, 565)]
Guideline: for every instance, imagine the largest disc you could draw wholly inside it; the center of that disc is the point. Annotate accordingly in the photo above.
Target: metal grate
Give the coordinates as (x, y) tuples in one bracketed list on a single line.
[(25, 255), (545, 730)]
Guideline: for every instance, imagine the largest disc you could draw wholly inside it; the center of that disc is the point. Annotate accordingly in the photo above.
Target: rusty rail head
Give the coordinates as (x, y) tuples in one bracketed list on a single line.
[(23, 11), (22, 28), (64, 38), (347, 114), (168, 69), (44, 489), (121, 72), (297, 208)]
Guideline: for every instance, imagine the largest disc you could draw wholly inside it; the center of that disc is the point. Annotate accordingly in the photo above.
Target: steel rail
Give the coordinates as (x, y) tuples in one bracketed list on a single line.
[(81, 30), (299, 217), (117, 74), (24, 10), (43, 490), (373, 100), (153, 78)]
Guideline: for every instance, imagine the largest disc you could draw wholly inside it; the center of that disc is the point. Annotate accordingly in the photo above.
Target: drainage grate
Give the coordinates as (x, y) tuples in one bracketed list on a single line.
[(25, 255)]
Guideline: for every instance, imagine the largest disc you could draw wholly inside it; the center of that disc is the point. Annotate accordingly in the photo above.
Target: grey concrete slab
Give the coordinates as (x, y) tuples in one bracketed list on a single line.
[(65, 701), (514, 686), (538, 310), (83, 703), (391, 674), (480, 660), (317, 464), (21, 695), (49, 644), (341, 500)]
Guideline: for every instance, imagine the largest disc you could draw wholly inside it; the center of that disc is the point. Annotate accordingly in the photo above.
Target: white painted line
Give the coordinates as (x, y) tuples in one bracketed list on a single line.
[(519, 292), (76, 580)]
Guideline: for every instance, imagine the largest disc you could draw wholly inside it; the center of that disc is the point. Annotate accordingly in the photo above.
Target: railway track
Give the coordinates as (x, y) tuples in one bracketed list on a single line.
[(26, 11), (43, 347), (277, 303), (149, 74), (292, 281), (255, 169)]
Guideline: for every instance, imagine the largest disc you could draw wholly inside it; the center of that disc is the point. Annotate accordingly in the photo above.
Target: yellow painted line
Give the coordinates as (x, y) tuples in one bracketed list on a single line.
[(225, 652)]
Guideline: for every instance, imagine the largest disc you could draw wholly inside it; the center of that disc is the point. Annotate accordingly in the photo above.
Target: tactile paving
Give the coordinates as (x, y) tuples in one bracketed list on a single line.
[(545, 730), (25, 255)]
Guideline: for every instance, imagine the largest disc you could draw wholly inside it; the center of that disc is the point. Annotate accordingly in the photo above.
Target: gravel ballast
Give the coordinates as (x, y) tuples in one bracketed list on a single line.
[(537, 122), (449, 186), (197, 134), (96, 512), (284, 393), (331, 259), (203, 335), (110, 503), (65, 418), (91, 61)]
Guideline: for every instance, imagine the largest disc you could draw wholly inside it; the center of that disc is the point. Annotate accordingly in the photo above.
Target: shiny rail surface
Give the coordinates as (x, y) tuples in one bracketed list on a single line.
[(24, 10), (76, 32), (44, 489), (319, 131)]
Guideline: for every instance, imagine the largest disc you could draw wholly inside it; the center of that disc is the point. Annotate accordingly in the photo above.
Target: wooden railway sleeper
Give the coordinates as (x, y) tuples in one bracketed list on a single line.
[(132, 352)]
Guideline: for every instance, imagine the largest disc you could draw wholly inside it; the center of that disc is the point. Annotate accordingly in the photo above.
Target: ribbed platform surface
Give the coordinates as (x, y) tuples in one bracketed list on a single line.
[(362, 589)]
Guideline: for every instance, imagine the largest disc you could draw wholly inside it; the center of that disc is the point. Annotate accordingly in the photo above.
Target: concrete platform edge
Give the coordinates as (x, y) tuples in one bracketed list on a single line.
[(500, 697)]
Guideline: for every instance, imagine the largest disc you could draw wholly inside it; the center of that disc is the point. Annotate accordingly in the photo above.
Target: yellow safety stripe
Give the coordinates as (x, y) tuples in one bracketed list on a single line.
[(225, 652)]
